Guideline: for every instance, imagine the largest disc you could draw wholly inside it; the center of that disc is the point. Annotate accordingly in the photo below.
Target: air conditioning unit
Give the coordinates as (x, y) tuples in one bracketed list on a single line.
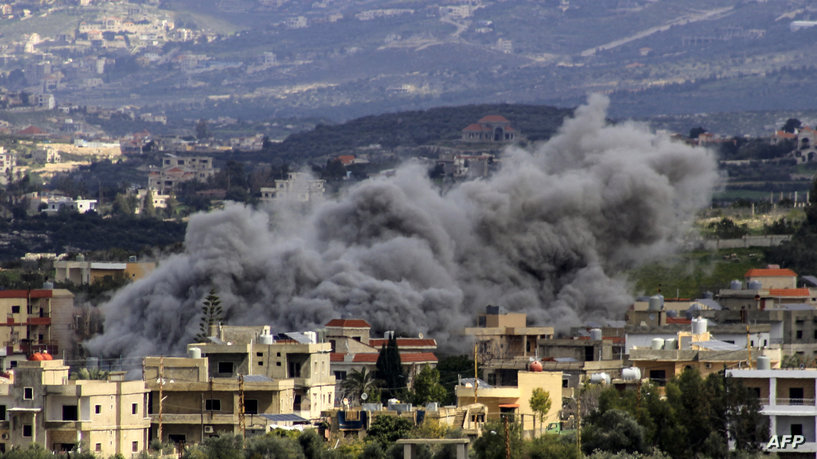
[(208, 429)]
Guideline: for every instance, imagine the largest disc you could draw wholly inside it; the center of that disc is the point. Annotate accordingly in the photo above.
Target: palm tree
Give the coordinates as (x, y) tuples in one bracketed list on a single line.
[(358, 383)]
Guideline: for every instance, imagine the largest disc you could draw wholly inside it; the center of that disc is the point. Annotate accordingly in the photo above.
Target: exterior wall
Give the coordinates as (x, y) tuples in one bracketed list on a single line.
[(775, 281), (119, 426), (29, 322), (492, 398)]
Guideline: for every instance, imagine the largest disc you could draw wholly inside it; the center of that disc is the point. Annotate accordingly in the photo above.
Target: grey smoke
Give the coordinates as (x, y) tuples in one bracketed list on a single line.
[(549, 234)]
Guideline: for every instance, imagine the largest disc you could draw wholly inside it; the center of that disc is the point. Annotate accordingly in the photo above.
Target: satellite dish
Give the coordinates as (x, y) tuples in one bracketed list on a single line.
[(420, 335), (364, 396)]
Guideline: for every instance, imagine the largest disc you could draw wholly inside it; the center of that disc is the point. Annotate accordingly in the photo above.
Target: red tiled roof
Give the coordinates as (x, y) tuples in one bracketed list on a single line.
[(31, 130), (24, 293), (349, 323), (678, 320), (346, 159), (335, 357), (789, 292), (770, 273), (476, 127), (493, 119), (785, 135), (405, 342)]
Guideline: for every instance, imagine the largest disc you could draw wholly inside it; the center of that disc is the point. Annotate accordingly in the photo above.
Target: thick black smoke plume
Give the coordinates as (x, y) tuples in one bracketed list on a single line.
[(547, 235)]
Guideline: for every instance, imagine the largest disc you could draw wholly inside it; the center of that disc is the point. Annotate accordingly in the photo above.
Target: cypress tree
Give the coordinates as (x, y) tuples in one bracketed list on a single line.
[(390, 369)]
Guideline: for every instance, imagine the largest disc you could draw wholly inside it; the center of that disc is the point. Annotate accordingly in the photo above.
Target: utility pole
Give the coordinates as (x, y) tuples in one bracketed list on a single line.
[(476, 373), (579, 421), (241, 425), (748, 348), (161, 392)]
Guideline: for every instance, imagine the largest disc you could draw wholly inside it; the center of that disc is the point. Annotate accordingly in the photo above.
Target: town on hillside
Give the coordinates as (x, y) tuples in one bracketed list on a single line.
[(735, 348)]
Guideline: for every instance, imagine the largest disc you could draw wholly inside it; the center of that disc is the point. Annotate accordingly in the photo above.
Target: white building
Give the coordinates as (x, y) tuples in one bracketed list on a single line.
[(297, 187), (53, 205), (788, 399)]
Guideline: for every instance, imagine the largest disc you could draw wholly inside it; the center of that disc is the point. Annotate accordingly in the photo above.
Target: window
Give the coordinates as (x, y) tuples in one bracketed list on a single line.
[(98, 447), (799, 334), (340, 375), (259, 354), (225, 367), (277, 364), (212, 404), (2, 412), (28, 393), (134, 408), (69, 413), (15, 309), (564, 383), (135, 447), (797, 429), (278, 354), (27, 430), (294, 369), (260, 363), (660, 377), (97, 409), (251, 407)]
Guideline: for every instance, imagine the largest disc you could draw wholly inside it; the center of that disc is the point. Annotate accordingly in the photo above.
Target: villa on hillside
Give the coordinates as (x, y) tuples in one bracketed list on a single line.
[(492, 129)]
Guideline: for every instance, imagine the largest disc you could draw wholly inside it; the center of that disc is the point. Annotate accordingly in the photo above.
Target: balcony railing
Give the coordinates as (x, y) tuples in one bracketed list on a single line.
[(797, 401)]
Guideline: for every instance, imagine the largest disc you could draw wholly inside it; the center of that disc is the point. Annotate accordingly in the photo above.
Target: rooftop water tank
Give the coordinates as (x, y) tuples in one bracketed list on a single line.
[(265, 339), (736, 285), (764, 363), (755, 285), (313, 337), (48, 285), (595, 334), (600, 378), (670, 344), (194, 353), (657, 344), (631, 374), (698, 325), (535, 366), (656, 303)]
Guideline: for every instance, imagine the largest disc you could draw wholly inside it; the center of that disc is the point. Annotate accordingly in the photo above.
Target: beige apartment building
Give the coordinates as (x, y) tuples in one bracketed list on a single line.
[(44, 406), (254, 351), (35, 321), (188, 404), (81, 272)]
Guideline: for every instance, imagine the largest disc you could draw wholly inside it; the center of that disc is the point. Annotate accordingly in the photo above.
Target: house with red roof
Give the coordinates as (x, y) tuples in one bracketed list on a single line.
[(353, 349), (772, 277), (490, 129)]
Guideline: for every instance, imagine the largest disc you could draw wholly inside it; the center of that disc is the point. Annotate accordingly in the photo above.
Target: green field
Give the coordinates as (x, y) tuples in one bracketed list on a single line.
[(688, 275)]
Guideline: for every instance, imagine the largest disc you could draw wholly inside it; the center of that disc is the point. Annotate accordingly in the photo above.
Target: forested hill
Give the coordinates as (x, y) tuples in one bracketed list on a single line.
[(410, 129)]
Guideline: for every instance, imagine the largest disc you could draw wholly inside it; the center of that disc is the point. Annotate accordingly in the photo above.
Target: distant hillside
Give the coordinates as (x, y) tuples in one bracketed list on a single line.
[(411, 129)]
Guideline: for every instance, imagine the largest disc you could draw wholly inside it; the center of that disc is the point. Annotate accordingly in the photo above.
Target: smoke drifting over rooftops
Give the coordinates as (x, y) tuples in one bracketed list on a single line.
[(548, 235)]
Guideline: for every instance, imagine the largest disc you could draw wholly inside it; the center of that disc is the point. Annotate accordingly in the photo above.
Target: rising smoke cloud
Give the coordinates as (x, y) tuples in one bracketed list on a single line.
[(548, 235)]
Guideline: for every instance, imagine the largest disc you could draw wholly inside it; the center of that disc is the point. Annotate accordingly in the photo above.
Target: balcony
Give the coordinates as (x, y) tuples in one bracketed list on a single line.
[(797, 401)]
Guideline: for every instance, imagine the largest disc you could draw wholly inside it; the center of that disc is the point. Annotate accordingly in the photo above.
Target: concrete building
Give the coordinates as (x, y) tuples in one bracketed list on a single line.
[(191, 404), (55, 204), (82, 272), (254, 351), (696, 348), (787, 398), (43, 406), (178, 169), (35, 321), (501, 335), (297, 187), (514, 401)]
